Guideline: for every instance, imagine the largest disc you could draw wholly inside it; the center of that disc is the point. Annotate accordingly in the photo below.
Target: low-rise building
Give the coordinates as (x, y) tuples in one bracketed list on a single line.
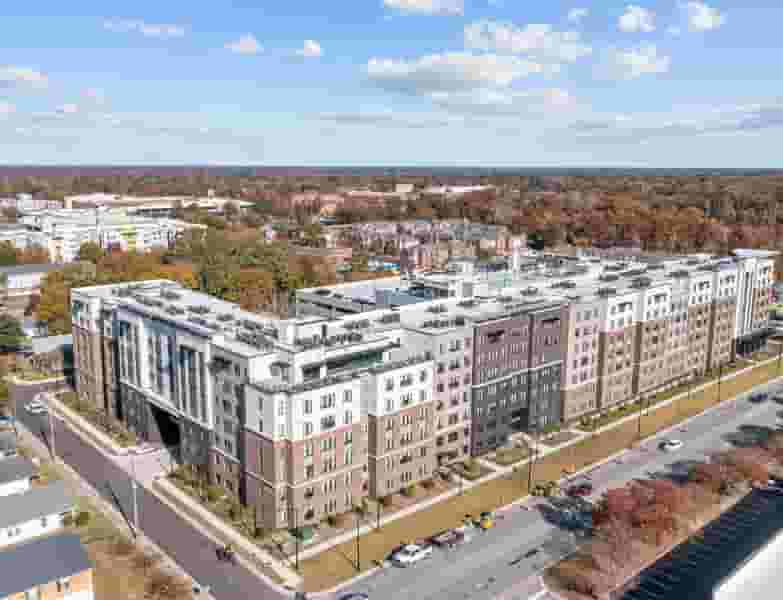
[(16, 475), (49, 568), (38, 511)]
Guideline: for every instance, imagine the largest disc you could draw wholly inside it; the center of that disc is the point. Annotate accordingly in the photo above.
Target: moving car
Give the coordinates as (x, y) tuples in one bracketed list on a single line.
[(579, 490), (35, 408), (410, 554), (671, 445), (355, 596)]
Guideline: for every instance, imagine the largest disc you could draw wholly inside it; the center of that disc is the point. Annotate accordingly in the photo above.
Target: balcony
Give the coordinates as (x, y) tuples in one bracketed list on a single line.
[(453, 384)]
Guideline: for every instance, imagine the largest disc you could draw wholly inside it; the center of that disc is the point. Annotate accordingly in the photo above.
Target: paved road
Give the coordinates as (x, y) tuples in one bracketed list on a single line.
[(187, 546), (493, 565)]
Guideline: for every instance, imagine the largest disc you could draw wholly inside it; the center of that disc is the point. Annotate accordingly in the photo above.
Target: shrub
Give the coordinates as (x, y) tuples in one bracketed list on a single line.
[(122, 547), (214, 493), (428, 484), (68, 520), (83, 518), (386, 501), (471, 465), (409, 491)]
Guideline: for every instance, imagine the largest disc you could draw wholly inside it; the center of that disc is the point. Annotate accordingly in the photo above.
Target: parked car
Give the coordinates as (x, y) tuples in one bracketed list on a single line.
[(35, 408), (757, 398), (410, 554), (671, 445), (550, 488), (579, 490), (355, 596), (6, 421)]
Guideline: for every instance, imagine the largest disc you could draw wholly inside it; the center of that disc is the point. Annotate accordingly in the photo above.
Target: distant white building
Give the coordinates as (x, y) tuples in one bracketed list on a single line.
[(63, 231)]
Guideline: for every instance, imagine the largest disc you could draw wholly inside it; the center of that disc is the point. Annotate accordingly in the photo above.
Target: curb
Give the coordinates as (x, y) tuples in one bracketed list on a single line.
[(76, 421), (202, 519)]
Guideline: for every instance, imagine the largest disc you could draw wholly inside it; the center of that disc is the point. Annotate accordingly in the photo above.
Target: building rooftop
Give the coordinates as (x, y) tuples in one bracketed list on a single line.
[(38, 502), (16, 468), (27, 269), (41, 561)]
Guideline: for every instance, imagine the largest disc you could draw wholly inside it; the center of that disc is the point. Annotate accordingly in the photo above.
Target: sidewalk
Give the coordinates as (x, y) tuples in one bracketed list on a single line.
[(544, 451), (218, 532), (26, 438)]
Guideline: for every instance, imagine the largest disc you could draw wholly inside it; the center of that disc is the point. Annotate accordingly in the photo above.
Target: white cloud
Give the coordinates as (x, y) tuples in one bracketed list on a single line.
[(541, 42), (427, 7), (6, 108), (504, 102), (449, 72), (636, 19), (635, 62), (674, 30), (575, 15), (311, 49), (157, 30), (22, 77), (702, 17), (387, 119), (246, 44), (96, 95), (67, 109)]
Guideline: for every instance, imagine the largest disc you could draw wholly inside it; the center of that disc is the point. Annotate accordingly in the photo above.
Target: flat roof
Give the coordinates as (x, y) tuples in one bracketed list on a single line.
[(16, 468), (40, 501), (41, 561)]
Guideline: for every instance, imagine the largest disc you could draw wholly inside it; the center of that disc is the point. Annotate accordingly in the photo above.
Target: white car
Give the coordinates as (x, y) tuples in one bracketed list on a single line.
[(671, 445), (410, 554), (35, 408)]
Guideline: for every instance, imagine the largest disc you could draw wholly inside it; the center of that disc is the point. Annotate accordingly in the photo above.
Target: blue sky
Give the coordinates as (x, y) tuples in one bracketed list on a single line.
[(666, 83)]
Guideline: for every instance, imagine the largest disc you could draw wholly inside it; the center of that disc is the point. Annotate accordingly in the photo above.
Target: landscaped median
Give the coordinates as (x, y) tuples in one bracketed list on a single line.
[(91, 422), (338, 564)]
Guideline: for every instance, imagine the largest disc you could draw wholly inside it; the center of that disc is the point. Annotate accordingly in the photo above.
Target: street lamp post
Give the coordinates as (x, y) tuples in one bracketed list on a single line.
[(134, 486), (720, 376), (639, 420), (358, 559), (297, 535), (531, 463)]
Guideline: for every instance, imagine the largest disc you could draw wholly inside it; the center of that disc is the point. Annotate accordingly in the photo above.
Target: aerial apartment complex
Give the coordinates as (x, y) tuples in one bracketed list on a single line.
[(373, 386)]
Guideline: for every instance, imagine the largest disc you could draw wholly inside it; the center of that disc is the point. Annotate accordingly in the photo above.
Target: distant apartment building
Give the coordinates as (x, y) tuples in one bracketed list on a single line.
[(375, 385), (61, 232)]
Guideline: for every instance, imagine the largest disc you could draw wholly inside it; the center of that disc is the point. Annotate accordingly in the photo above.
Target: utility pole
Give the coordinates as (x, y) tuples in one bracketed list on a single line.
[(780, 355)]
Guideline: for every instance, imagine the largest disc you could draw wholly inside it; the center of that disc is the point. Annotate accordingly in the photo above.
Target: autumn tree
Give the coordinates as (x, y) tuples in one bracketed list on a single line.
[(90, 252)]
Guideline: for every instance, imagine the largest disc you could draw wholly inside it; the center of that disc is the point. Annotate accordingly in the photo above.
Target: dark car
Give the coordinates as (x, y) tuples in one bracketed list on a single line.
[(580, 490)]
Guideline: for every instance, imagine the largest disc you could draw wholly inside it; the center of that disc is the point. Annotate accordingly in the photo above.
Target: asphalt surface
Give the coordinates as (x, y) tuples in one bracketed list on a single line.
[(188, 547), (494, 562)]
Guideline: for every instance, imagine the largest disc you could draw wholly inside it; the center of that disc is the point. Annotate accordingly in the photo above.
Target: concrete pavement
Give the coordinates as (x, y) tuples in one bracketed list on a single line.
[(486, 568), (192, 550)]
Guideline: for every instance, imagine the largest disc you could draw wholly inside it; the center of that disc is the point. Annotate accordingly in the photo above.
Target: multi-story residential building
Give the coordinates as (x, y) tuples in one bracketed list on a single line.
[(581, 347), (62, 231), (401, 433), (517, 370), (450, 342), (301, 418), (19, 285)]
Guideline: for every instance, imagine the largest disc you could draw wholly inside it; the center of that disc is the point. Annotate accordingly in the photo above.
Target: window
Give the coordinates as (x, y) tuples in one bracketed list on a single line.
[(308, 449), (328, 400), (64, 585), (308, 406), (281, 408), (308, 428), (389, 404), (347, 397), (261, 425), (348, 438)]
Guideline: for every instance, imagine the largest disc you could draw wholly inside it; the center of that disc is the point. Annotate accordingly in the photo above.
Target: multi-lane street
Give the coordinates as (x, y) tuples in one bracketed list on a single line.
[(188, 547), (499, 563)]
